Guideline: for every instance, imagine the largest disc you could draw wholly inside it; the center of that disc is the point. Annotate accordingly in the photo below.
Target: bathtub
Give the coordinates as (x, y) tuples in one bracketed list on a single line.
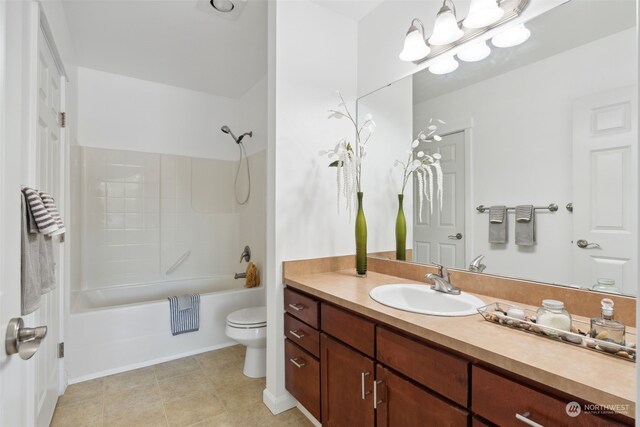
[(121, 328)]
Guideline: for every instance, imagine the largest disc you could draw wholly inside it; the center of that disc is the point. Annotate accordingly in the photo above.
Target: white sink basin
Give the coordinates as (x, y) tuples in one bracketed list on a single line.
[(422, 299)]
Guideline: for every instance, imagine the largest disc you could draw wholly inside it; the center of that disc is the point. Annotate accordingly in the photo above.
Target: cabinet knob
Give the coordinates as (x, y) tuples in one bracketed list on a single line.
[(525, 419), (297, 307), (298, 362), (296, 333), (362, 377)]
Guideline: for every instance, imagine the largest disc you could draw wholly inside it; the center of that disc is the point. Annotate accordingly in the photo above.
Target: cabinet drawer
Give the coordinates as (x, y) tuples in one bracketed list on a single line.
[(499, 400), (349, 328), (302, 334), (401, 403), (302, 307), (302, 377), (435, 369)]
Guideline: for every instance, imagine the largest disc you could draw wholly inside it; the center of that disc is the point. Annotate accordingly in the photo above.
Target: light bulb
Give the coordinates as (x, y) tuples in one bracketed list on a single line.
[(482, 13), (475, 52), (444, 65), (512, 36), (415, 47), (445, 29)]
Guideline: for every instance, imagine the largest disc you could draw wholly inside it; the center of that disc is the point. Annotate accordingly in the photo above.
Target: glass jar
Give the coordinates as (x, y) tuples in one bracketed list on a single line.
[(554, 315), (606, 285)]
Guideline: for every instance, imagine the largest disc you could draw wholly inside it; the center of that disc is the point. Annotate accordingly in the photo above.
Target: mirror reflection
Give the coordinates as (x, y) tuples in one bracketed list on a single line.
[(549, 123)]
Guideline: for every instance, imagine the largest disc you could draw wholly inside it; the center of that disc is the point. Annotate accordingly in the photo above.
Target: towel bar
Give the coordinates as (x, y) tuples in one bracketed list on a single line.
[(552, 208)]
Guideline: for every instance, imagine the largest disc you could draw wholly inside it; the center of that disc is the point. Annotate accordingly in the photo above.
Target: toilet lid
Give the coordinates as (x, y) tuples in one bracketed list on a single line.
[(248, 316)]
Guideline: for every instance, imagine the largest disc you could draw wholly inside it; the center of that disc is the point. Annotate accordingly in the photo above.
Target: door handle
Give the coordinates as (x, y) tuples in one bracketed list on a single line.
[(583, 244), (456, 236), (21, 340), (376, 402)]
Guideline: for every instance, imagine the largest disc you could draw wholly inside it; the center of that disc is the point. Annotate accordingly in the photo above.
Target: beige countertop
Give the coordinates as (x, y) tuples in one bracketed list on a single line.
[(594, 377)]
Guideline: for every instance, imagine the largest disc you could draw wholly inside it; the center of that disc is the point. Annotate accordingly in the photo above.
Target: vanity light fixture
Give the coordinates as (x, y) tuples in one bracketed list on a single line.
[(446, 29), (415, 47), (224, 6), (476, 51), (448, 33), (444, 65), (512, 36), (482, 13)]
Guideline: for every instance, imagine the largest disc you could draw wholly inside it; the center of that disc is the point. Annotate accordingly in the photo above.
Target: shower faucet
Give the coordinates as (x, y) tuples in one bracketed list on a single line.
[(246, 254)]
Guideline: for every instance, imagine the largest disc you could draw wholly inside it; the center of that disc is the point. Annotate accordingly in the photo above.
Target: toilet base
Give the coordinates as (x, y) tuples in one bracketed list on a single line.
[(255, 362)]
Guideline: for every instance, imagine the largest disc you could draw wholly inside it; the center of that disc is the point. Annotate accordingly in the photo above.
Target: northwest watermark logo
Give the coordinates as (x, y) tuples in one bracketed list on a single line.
[(573, 409)]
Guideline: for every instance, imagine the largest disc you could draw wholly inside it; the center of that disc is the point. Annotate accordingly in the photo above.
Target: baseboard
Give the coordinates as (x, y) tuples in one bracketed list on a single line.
[(278, 404), (146, 363), (307, 414)]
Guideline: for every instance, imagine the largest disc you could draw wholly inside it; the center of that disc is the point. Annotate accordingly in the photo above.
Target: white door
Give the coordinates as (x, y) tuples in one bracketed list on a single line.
[(30, 154), (13, 370), (440, 237), (48, 166), (605, 186)]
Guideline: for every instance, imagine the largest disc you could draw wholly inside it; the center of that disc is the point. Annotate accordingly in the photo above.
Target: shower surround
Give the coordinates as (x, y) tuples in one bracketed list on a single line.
[(138, 213)]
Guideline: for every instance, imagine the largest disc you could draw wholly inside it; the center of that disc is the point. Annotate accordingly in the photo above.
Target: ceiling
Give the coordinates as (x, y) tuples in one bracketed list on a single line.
[(568, 26), (182, 43), (354, 9)]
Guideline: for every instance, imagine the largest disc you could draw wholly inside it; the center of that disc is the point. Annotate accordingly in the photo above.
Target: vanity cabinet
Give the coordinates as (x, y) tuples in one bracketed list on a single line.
[(302, 350), (348, 370), (506, 402), (346, 383), (399, 402)]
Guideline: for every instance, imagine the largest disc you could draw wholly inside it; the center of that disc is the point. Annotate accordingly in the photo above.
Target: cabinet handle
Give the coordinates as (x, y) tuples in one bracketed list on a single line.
[(364, 392), (525, 419), (296, 333), (297, 307), (300, 364), (376, 402)]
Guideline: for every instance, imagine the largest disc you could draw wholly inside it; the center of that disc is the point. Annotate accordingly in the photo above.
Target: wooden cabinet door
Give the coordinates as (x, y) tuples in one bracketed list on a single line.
[(347, 382), (404, 404)]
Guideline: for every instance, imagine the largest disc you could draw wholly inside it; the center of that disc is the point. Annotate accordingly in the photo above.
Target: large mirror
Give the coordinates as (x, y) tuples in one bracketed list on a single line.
[(552, 121)]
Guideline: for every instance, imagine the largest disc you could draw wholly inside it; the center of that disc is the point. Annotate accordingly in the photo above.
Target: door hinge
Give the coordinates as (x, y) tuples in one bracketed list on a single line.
[(60, 350), (63, 119)]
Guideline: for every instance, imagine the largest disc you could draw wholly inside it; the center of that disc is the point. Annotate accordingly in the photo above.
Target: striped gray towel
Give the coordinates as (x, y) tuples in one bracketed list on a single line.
[(50, 204), (524, 213), (185, 320), (497, 214), (45, 222)]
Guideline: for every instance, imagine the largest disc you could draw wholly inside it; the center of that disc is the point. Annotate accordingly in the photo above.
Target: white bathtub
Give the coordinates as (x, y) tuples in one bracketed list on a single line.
[(118, 329)]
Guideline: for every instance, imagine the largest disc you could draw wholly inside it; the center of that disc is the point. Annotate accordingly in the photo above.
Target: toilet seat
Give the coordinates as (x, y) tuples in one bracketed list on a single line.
[(248, 318)]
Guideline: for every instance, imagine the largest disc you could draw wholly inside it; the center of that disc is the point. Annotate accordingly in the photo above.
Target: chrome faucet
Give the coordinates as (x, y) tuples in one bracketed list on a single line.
[(441, 281), (246, 254), (476, 265), (240, 276)]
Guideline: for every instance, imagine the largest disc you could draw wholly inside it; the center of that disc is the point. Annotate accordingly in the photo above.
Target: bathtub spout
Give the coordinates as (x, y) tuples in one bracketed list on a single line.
[(240, 276)]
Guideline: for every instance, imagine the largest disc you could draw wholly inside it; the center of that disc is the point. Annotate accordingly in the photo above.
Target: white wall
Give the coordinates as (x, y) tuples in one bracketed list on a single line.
[(124, 113), (522, 146), (381, 36), (313, 52), (382, 180)]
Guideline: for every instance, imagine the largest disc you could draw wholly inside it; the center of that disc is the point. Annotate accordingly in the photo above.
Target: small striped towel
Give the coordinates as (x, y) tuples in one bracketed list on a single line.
[(50, 204), (497, 214), (45, 222), (187, 319), (524, 213)]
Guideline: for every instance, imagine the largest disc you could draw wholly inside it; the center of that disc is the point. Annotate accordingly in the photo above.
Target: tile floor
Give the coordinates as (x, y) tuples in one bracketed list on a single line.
[(208, 389)]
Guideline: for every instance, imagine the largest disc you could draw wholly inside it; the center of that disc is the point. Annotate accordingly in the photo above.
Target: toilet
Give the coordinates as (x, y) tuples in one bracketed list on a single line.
[(248, 327)]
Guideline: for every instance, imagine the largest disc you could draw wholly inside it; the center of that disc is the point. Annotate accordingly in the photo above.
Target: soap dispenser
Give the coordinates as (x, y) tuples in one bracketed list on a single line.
[(605, 328)]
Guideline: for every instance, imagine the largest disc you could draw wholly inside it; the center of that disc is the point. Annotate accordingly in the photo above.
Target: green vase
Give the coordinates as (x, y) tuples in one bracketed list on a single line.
[(401, 231), (361, 239)]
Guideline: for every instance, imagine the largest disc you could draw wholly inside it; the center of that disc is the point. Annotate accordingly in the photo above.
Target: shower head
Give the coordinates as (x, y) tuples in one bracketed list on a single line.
[(238, 140)]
